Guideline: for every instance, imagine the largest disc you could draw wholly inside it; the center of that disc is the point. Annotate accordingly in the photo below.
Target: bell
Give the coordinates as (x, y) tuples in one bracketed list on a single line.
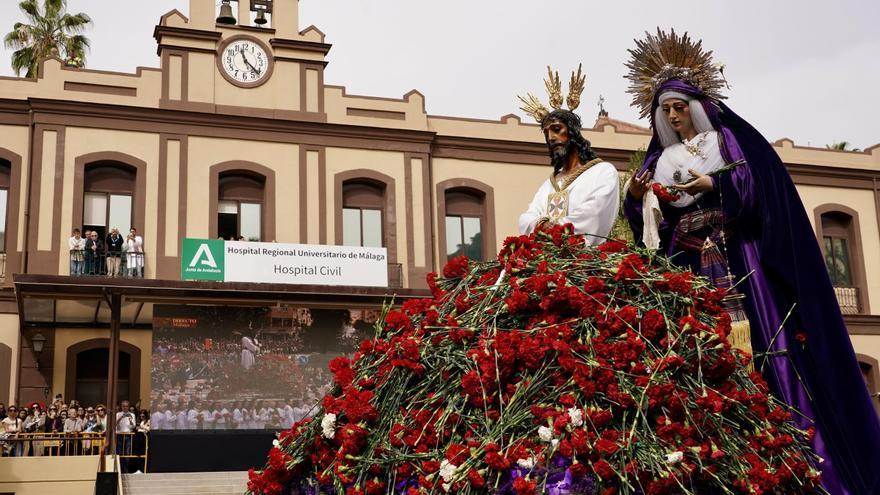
[(226, 16), (261, 18)]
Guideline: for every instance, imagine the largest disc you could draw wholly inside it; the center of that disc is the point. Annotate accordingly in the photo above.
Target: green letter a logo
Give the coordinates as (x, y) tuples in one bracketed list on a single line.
[(203, 256)]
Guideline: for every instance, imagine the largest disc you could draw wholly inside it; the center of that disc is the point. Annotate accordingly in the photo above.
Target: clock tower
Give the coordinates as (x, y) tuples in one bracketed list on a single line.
[(244, 57)]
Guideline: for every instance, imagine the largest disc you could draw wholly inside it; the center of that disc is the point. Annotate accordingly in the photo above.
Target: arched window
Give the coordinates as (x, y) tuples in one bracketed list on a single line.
[(5, 179), (108, 197), (91, 376), (240, 207), (465, 219), (836, 227), (871, 375), (363, 204)]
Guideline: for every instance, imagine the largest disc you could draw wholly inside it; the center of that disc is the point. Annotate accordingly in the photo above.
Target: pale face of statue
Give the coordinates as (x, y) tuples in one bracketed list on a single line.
[(679, 115)]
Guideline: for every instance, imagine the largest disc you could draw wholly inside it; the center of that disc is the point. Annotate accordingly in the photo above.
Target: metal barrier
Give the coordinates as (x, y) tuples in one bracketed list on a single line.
[(106, 264), (52, 444), (133, 450)]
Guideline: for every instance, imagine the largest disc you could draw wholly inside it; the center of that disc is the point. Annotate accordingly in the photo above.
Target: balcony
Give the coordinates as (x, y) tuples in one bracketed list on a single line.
[(848, 298)]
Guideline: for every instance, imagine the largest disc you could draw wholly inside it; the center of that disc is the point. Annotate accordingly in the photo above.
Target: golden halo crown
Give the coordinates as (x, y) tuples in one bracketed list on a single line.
[(657, 59), (533, 106)]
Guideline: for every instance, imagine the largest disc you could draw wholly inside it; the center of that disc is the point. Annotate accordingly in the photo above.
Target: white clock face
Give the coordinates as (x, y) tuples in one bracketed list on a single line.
[(245, 61)]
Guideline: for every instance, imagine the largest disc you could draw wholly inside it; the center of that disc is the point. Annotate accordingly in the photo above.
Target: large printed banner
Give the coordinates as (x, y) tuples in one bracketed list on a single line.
[(271, 262)]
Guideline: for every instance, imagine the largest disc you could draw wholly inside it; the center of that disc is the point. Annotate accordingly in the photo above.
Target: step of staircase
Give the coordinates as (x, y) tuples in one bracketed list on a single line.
[(219, 483)]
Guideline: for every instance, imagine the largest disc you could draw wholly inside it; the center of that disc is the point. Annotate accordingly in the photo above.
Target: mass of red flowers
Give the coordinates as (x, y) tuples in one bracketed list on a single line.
[(665, 194), (556, 368)]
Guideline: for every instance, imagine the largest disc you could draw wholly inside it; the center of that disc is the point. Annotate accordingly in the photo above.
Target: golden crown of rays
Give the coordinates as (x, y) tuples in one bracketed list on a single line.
[(533, 106), (657, 59)]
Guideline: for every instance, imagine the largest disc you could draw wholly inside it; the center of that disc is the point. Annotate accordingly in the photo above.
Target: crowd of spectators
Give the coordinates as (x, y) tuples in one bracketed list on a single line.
[(113, 255), (201, 384), (71, 419)]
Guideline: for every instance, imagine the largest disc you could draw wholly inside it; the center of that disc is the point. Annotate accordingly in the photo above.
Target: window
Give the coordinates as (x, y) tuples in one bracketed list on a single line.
[(108, 198), (240, 206), (836, 244), (362, 214), (5, 177), (464, 223)]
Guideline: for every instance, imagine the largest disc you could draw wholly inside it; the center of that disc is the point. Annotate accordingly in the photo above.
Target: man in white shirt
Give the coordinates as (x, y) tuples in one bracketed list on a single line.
[(157, 419), (126, 422)]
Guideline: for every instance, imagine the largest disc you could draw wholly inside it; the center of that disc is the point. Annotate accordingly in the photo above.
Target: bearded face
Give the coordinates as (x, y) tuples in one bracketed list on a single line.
[(559, 142)]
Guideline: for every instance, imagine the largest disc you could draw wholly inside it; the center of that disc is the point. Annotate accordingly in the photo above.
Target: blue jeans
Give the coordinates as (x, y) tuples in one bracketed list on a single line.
[(76, 267)]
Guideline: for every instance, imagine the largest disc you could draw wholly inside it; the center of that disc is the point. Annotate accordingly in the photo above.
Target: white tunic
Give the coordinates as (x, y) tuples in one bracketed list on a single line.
[(593, 201)]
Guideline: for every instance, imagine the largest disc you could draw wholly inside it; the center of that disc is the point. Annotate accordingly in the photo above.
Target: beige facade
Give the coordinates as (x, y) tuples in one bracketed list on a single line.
[(182, 130)]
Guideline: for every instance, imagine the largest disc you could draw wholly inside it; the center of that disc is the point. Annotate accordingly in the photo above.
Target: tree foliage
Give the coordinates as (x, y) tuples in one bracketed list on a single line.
[(49, 31)]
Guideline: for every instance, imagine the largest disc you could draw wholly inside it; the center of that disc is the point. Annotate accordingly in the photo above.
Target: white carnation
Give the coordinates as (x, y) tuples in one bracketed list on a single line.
[(526, 463), (276, 443), (577, 417), (328, 425), (545, 433), (675, 457), (447, 470)]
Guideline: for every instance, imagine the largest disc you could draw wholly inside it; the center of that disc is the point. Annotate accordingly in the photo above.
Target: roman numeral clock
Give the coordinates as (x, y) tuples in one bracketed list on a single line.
[(244, 61)]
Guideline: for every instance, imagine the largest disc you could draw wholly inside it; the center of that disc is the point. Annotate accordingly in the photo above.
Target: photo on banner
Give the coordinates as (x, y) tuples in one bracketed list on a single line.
[(246, 368)]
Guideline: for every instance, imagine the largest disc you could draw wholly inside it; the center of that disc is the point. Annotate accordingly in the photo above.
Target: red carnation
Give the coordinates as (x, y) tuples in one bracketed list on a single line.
[(524, 486), (456, 267)]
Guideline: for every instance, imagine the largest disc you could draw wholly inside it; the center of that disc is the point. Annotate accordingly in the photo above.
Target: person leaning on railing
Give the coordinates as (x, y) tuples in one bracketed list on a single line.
[(11, 427), (94, 248), (134, 249), (76, 244), (114, 243)]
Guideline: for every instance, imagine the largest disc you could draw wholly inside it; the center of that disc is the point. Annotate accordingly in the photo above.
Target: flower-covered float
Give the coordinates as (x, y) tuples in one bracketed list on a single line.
[(557, 368)]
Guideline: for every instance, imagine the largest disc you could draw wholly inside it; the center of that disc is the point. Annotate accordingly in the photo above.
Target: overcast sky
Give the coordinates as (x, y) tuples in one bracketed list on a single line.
[(804, 69)]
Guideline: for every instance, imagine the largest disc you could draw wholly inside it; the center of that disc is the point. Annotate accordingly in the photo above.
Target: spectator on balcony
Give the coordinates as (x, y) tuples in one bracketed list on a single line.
[(94, 249), (2, 411), (73, 423), (76, 244), (134, 248), (101, 415), (114, 244), (125, 424), (54, 423)]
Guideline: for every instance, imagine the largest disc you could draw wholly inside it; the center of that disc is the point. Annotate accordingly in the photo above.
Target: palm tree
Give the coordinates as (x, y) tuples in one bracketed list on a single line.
[(51, 31), (841, 146)]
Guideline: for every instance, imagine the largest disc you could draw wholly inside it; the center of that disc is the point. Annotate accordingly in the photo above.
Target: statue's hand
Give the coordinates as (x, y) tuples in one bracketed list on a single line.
[(639, 184), (702, 183)]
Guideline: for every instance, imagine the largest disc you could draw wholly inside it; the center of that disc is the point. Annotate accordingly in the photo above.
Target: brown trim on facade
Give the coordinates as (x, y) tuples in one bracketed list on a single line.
[(389, 213), (166, 76), (194, 34), (240, 27), (375, 114), (857, 259), (13, 215), (134, 370), (862, 324), (305, 46), (821, 175), (100, 88), (428, 202), (140, 188), (490, 150), (487, 227), (168, 267), (416, 274), (218, 59), (873, 378), (187, 49), (322, 63), (192, 123), (5, 371), (304, 68), (267, 226), (44, 261)]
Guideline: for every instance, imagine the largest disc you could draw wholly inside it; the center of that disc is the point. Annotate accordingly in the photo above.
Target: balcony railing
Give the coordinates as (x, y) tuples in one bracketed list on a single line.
[(85, 263), (52, 444), (2, 267), (848, 298)]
